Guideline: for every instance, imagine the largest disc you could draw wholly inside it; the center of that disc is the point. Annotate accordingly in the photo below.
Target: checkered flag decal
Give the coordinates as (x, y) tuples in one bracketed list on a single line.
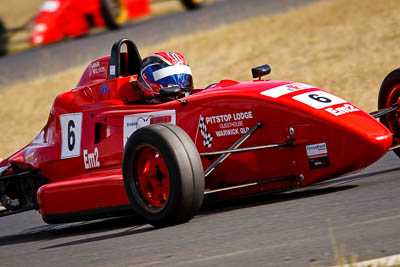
[(207, 138)]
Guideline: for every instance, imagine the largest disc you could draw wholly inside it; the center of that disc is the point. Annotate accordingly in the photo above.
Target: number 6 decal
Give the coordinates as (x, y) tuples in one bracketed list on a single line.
[(71, 132), (71, 135), (319, 99)]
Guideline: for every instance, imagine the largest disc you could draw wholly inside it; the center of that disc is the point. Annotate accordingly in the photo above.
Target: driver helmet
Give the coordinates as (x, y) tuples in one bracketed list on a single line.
[(163, 69)]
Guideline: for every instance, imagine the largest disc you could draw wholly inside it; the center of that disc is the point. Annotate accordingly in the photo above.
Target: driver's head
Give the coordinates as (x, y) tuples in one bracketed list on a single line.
[(163, 69)]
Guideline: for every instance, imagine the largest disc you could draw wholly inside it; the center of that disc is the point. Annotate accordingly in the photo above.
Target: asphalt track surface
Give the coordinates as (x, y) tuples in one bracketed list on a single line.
[(357, 214), (66, 54)]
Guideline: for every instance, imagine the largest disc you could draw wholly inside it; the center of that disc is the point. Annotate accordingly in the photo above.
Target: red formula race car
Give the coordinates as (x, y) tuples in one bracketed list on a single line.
[(70, 18), (105, 152)]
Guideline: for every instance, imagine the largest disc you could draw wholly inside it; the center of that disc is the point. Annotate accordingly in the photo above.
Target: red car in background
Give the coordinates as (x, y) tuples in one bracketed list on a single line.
[(71, 18), (58, 19)]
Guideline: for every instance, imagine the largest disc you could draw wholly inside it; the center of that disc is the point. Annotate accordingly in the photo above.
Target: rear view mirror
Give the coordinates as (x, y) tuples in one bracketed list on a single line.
[(260, 71)]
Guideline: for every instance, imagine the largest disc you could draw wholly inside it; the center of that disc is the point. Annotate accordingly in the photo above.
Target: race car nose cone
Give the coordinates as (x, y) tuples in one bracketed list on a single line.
[(383, 143), (359, 140), (374, 147)]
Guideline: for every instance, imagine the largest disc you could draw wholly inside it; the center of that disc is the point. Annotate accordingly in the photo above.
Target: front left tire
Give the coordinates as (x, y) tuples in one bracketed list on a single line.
[(163, 175)]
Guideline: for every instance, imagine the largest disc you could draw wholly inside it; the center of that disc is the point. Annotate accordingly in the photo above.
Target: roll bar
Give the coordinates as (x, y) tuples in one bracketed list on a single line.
[(134, 59)]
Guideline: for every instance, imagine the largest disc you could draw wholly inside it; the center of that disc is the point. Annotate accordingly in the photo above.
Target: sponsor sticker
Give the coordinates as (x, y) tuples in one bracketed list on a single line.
[(136, 121), (91, 159), (316, 163), (316, 150), (97, 69), (104, 89), (230, 117), (344, 109), (112, 70), (286, 89), (205, 135), (317, 155), (223, 125)]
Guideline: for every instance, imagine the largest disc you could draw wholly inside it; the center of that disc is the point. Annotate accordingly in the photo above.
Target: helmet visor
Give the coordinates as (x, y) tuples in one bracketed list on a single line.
[(180, 75)]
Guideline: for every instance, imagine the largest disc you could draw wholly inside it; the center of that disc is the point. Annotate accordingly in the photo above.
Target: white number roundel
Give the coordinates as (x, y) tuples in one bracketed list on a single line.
[(71, 132)]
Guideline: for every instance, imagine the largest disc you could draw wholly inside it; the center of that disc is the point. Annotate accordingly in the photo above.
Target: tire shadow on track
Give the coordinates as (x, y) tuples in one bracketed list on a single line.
[(53, 232), (131, 231)]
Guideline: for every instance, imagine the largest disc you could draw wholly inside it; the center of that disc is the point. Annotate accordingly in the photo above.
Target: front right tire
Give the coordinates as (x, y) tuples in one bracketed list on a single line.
[(389, 94)]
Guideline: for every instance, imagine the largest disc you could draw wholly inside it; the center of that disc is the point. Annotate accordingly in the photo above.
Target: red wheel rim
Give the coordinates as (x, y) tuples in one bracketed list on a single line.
[(393, 120), (152, 177)]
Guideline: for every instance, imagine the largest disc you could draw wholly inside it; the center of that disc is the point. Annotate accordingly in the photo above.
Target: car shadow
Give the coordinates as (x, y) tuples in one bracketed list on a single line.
[(218, 206), (142, 228), (131, 225), (211, 207), (57, 231)]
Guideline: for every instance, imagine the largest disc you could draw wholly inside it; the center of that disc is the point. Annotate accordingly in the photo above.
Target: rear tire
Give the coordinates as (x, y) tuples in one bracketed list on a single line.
[(114, 13), (192, 4), (389, 94), (163, 175), (3, 39)]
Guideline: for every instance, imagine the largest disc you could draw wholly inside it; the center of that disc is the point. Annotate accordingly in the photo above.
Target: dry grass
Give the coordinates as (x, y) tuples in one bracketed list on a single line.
[(25, 108), (344, 46), (339, 45), (16, 12)]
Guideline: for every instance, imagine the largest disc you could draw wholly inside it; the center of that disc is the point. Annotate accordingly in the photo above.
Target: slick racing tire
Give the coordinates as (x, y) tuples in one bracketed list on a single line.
[(3, 39), (389, 94), (192, 4), (163, 175), (114, 13)]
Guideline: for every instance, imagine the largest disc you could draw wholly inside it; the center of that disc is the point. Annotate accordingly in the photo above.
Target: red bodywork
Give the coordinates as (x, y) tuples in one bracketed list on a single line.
[(71, 18), (82, 159)]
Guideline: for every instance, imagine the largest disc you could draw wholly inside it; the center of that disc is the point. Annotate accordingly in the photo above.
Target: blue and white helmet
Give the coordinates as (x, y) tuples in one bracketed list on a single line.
[(163, 69)]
